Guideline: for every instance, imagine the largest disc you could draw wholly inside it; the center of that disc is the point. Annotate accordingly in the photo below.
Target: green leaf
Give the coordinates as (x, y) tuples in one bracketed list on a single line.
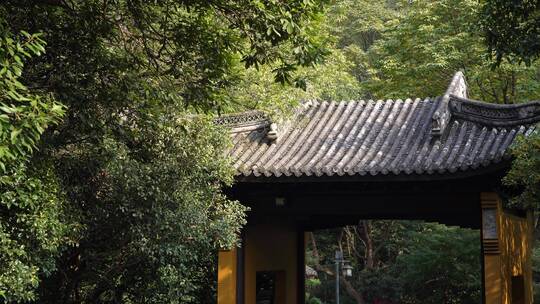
[(14, 133)]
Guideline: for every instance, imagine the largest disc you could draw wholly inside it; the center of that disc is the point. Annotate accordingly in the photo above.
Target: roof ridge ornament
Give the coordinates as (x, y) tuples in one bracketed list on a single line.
[(272, 134), (442, 115), (246, 121)]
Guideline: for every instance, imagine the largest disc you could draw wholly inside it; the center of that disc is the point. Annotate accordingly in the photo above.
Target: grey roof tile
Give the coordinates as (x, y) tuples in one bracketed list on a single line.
[(379, 137), (436, 135)]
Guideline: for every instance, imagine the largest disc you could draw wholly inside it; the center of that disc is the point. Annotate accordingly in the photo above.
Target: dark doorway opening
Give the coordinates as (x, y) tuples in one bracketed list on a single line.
[(270, 287), (518, 290)]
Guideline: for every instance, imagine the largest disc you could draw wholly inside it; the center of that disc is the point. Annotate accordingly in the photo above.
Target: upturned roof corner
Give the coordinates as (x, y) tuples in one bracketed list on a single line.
[(496, 115), (441, 117)]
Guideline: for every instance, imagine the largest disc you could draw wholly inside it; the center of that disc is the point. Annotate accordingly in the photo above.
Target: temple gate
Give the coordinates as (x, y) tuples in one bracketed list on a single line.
[(333, 163)]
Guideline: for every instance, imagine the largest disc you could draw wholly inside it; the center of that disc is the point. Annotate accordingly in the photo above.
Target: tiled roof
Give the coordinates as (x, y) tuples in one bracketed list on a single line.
[(435, 135)]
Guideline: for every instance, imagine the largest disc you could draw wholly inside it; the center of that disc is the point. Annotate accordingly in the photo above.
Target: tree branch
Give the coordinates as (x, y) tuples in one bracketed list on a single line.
[(352, 291)]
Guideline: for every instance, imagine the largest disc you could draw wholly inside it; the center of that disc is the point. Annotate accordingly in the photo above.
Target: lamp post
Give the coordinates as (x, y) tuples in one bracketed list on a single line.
[(347, 270), (339, 259)]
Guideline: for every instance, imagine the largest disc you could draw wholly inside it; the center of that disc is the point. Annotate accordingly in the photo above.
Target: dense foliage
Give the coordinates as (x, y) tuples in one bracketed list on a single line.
[(153, 219), (525, 172), (32, 227), (24, 114), (512, 29), (431, 40), (140, 177), (399, 49), (441, 265)]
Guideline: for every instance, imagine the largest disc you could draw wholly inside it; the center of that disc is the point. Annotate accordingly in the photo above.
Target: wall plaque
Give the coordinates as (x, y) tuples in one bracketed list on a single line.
[(489, 223)]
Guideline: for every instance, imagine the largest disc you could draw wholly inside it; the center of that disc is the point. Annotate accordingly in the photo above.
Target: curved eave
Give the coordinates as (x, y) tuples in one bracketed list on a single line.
[(496, 169), (382, 140)]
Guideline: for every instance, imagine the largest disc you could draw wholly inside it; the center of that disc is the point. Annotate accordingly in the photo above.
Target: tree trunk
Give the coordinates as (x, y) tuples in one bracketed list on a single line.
[(357, 296), (365, 234)]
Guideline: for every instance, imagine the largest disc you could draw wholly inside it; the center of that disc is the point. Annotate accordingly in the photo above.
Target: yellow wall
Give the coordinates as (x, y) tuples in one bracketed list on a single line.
[(227, 277), (513, 257), (271, 247), (515, 245), (492, 277)]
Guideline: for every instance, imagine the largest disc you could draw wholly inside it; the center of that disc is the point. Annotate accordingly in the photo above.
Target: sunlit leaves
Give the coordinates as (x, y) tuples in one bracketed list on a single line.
[(23, 115), (431, 40), (158, 199), (31, 210), (32, 230)]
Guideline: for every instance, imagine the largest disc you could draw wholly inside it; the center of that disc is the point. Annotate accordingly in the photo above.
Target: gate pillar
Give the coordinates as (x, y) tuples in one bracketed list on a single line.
[(227, 272), (507, 241), (271, 263)]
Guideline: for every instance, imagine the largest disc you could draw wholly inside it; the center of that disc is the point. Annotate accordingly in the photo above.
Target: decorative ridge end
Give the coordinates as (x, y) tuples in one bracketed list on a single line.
[(442, 115), (497, 115), (246, 121), (458, 86), (272, 134)]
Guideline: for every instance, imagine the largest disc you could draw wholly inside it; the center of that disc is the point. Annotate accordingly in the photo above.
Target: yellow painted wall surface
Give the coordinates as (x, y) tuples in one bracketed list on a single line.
[(227, 277), (513, 259), (515, 245), (271, 247), (493, 281)]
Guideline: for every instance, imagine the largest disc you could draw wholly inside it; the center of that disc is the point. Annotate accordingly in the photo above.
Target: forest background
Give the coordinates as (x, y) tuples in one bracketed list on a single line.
[(112, 170)]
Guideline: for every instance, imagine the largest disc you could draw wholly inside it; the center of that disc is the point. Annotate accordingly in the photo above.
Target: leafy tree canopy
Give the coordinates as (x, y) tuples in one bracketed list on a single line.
[(398, 262), (512, 29), (131, 180), (24, 115), (525, 172), (32, 227), (440, 265), (429, 41)]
